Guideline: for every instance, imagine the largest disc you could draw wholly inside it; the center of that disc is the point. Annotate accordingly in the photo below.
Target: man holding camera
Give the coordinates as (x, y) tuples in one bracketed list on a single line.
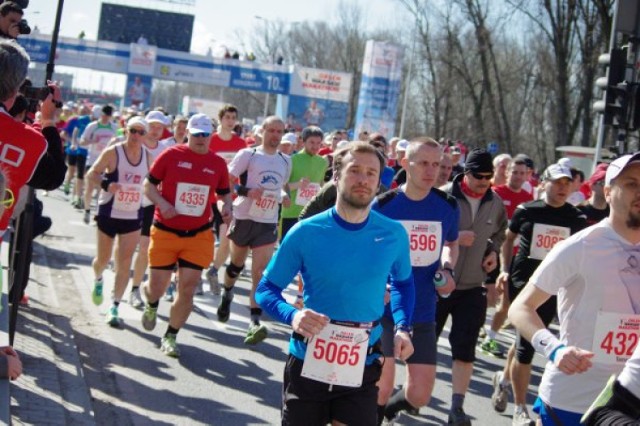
[(11, 22), (28, 156)]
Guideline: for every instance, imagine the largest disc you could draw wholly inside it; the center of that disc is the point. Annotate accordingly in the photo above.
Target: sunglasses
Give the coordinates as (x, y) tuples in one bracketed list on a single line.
[(201, 135), (481, 177), (137, 132)]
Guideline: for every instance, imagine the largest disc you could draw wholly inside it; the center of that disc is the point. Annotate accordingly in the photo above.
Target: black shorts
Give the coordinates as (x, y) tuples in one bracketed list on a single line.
[(81, 165), (147, 220), (217, 219), (309, 402), (524, 349), (71, 159), (425, 343), (247, 233), (112, 227), (468, 309)]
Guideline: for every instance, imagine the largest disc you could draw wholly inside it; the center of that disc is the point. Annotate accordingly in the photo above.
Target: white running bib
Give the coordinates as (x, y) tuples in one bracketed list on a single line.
[(191, 199), (545, 237), (265, 207), (425, 241), (337, 355), (615, 337), (303, 196), (128, 198)]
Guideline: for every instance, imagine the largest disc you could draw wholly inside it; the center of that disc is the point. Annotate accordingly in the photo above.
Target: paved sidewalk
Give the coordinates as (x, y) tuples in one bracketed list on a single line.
[(52, 389)]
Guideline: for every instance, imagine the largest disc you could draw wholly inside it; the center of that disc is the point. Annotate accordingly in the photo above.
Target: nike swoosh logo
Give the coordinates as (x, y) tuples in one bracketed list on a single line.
[(543, 343), (377, 240)]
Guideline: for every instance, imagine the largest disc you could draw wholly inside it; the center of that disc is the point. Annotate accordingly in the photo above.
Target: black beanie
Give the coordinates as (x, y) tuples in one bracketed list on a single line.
[(479, 161)]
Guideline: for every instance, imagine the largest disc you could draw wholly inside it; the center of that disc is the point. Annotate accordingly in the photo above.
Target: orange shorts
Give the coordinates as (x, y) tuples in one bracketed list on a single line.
[(166, 248)]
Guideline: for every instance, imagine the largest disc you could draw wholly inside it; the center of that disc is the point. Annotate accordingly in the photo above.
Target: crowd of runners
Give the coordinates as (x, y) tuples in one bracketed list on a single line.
[(420, 232)]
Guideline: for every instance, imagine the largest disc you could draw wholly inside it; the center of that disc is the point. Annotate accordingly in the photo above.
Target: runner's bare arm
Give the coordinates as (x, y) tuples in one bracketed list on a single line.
[(166, 208), (105, 163)]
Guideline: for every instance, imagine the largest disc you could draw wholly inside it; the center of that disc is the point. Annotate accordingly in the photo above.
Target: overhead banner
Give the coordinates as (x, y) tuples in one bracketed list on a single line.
[(379, 89), (317, 98), (142, 59)]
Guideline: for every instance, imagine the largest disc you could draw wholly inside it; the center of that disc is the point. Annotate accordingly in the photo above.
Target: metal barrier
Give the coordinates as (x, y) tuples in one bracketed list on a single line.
[(5, 397)]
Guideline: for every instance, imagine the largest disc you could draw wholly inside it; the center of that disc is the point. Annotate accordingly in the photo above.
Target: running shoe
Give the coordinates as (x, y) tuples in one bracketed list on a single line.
[(491, 347), (171, 290), (87, 217), (66, 188), (199, 289), (458, 417), (214, 284), (521, 417), (135, 300), (149, 316), (224, 308), (96, 294), (112, 317), (255, 334), (169, 346), (500, 395)]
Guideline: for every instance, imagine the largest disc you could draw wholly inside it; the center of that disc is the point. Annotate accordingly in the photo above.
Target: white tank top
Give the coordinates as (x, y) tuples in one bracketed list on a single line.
[(127, 202)]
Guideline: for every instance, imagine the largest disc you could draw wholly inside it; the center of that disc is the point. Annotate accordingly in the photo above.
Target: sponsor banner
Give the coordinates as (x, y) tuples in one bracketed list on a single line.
[(180, 66), (142, 59), (138, 90), (259, 77), (379, 89), (305, 111), (321, 84)]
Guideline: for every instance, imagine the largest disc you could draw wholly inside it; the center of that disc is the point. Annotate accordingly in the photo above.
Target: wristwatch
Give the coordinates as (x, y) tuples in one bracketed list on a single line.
[(402, 327), (450, 271)]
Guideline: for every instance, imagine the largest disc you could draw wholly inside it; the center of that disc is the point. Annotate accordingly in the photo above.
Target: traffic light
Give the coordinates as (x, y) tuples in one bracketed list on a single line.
[(614, 106)]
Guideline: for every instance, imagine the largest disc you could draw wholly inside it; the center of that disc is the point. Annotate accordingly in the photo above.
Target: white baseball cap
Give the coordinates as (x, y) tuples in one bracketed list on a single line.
[(157, 117), (556, 171), (618, 166), (200, 123), (402, 145), (96, 111), (139, 121), (289, 138)]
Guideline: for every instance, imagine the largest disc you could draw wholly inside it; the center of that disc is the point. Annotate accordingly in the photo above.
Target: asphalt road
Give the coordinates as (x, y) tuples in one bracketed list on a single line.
[(218, 380)]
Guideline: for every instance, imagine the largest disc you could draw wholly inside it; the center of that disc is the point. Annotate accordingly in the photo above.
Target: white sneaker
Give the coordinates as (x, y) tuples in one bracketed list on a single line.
[(214, 284), (521, 417), (135, 300)]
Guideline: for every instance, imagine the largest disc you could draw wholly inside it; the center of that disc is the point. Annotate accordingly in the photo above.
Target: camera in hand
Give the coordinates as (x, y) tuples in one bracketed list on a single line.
[(24, 27), (36, 94)]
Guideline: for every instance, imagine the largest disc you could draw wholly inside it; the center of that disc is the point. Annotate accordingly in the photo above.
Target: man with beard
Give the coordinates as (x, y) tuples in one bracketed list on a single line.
[(343, 303), (595, 275), (262, 173)]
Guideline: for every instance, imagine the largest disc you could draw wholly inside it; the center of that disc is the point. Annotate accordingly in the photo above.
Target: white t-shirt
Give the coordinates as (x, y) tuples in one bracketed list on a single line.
[(98, 136), (265, 171), (592, 274)]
